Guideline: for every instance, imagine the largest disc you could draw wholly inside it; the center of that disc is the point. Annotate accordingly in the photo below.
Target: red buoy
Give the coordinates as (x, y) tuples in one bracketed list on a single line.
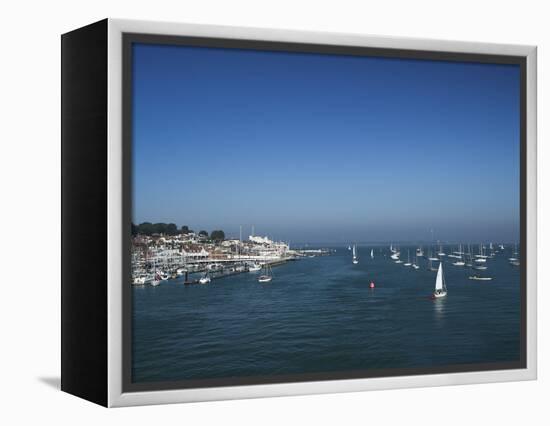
[(371, 284)]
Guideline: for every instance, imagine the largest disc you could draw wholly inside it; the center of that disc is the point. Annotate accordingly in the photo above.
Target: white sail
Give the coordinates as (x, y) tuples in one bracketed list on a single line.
[(355, 261), (439, 285), (372, 253)]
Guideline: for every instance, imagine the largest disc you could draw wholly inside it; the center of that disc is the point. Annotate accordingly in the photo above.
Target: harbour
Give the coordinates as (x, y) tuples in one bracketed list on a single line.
[(320, 314)]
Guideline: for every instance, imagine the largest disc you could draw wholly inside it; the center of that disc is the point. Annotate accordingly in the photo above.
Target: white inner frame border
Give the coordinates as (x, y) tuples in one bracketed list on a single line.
[(116, 397)]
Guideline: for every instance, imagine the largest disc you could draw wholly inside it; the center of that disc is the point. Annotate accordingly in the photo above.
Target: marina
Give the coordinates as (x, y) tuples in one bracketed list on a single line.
[(159, 258)]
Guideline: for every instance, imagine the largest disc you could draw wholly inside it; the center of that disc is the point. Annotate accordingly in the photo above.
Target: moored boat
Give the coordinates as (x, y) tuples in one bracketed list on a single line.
[(205, 279), (478, 278), (267, 275), (408, 263), (254, 267)]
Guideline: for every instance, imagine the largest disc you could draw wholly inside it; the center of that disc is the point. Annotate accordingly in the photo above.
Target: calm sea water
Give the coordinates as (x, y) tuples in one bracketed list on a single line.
[(319, 315)]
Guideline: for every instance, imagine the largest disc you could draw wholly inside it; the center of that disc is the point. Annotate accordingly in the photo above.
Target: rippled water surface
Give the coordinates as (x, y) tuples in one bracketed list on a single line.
[(319, 315)]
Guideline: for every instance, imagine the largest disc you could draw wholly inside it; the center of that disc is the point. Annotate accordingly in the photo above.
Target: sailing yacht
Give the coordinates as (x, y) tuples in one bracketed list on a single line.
[(432, 257), (441, 252), (514, 255), (440, 287), (415, 264), (267, 276), (408, 259), (156, 279), (355, 260), (372, 253), (395, 254), (457, 254), (481, 254), (460, 260)]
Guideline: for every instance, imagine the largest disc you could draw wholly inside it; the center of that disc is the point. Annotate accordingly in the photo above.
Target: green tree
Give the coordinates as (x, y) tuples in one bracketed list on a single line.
[(217, 235), (159, 228), (145, 228), (171, 229), (203, 233), (185, 229)]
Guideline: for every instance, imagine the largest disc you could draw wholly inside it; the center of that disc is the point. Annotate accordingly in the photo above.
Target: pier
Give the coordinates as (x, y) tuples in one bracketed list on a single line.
[(221, 273)]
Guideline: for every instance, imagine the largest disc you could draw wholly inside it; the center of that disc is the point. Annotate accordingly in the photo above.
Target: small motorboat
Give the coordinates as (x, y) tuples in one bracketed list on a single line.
[(139, 280), (254, 267)]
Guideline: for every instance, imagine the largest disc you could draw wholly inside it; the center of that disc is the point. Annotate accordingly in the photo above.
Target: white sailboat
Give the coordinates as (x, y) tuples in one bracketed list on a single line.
[(355, 260), (440, 287), (408, 259), (156, 279), (395, 256), (514, 257), (457, 254), (459, 261), (481, 254), (372, 253), (415, 264), (267, 276), (156, 274)]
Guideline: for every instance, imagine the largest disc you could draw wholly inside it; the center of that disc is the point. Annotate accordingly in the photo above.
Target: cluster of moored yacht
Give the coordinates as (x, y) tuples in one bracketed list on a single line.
[(214, 270), (462, 257), (265, 277)]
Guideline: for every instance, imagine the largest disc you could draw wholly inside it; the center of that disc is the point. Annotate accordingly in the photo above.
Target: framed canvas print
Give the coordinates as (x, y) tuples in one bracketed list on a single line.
[(252, 212)]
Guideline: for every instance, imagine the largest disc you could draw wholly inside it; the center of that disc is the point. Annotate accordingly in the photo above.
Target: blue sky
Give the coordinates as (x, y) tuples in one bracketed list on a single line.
[(325, 148)]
